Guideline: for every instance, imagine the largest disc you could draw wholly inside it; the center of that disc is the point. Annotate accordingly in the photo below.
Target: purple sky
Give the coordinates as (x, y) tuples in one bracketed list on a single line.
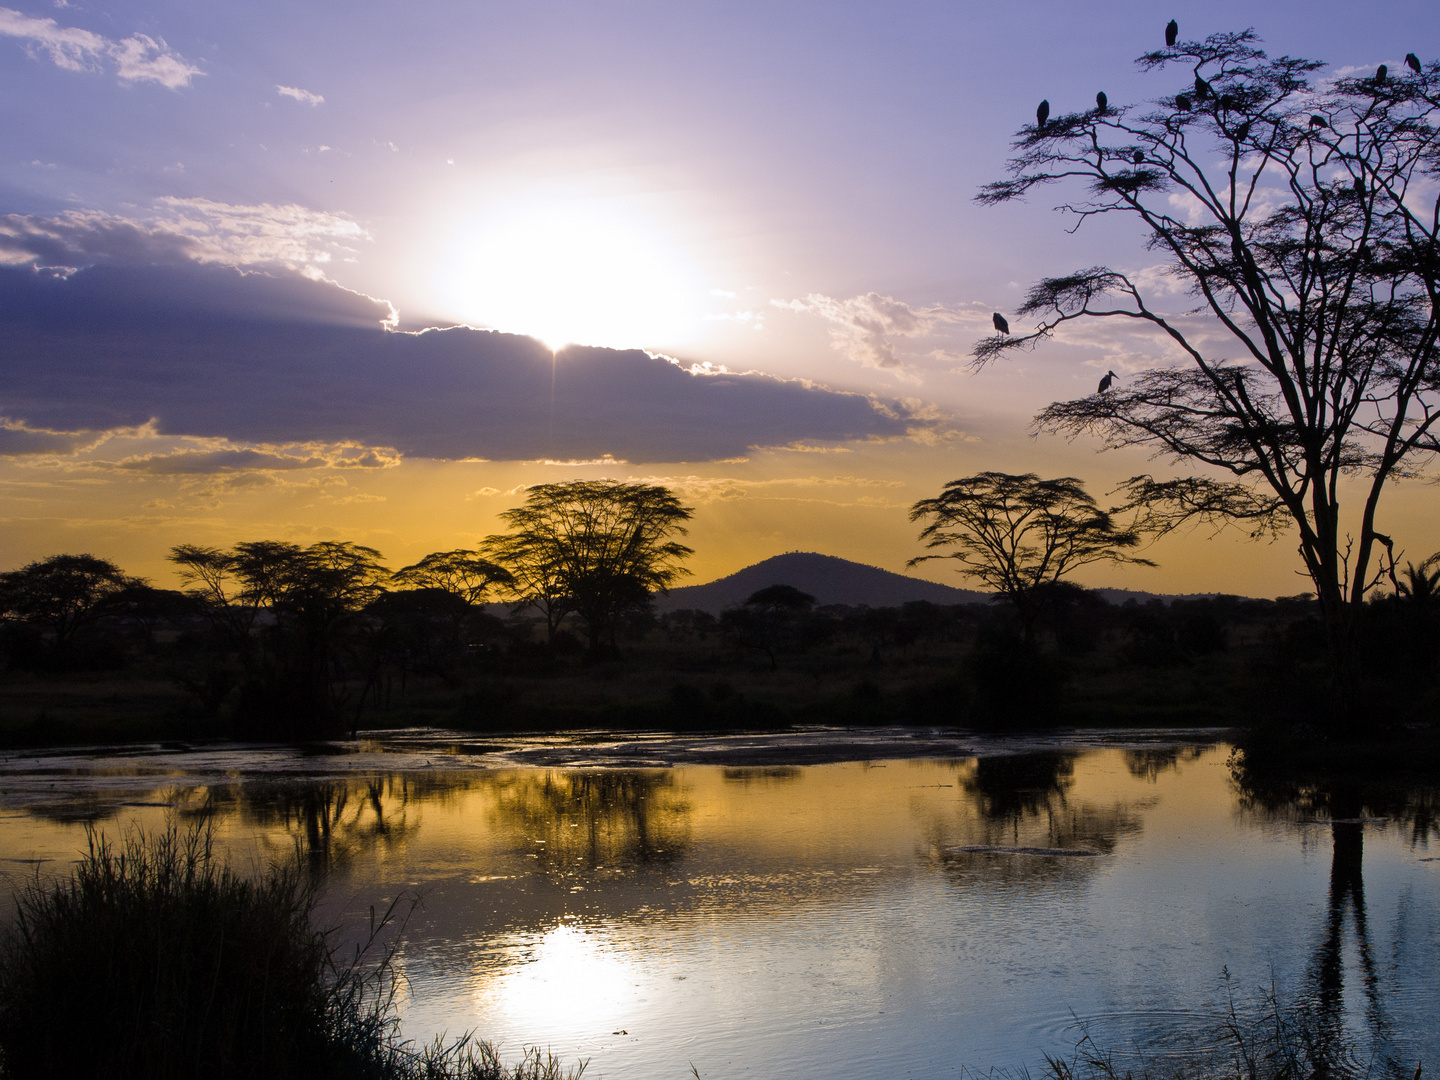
[(783, 190)]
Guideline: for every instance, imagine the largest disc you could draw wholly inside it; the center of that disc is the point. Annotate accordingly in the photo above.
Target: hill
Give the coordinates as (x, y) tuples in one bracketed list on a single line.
[(829, 579)]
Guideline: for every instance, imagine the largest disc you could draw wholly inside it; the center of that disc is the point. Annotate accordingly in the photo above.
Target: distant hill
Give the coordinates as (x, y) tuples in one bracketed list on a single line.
[(829, 579)]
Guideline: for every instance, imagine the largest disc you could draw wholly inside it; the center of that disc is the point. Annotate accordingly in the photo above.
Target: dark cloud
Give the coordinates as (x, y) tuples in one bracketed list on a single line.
[(273, 359)]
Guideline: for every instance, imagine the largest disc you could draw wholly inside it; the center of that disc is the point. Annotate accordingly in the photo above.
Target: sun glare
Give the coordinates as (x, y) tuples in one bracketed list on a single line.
[(573, 976), (571, 274)]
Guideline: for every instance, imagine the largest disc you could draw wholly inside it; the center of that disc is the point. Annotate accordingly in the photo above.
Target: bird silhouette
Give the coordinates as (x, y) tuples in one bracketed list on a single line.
[(1242, 130), (1318, 122), (1413, 61), (1172, 31), (1138, 157), (1105, 382), (1101, 101), (1226, 102), (1360, 186), (1182, 102), (1042, 114), (1000, 323), (1381, 73), (1202, 89)]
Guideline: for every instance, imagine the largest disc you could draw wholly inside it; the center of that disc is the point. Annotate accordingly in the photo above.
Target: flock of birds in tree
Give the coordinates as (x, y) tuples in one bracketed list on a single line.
[(1204, 91), (1183, 102)]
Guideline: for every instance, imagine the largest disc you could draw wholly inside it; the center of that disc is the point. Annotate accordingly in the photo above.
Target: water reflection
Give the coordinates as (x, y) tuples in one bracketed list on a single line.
[(830, 916), (1150, 763), (1020, 824), (591, 820), (1347, 805)]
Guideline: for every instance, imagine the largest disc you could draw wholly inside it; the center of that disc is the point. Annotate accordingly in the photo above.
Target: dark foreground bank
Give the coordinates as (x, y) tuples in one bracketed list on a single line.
[(157, 961)]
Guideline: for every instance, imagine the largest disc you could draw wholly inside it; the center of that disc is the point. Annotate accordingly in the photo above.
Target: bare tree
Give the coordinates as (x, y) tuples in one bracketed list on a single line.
[(1301, 215), (1019, 533), (595, 547)]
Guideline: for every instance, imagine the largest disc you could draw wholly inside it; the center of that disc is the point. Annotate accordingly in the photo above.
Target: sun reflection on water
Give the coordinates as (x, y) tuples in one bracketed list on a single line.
[(567, 971)]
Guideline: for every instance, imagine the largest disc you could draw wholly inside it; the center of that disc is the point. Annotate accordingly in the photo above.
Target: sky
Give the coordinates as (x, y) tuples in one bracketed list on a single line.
[(365, 271)]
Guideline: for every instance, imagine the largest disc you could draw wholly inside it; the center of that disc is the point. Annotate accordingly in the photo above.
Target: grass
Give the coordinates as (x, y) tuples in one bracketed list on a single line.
[(157, 960), (1256, 1040)]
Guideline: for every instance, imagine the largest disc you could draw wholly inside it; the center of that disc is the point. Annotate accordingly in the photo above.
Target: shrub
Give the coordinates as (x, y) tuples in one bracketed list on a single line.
[(158, 961)]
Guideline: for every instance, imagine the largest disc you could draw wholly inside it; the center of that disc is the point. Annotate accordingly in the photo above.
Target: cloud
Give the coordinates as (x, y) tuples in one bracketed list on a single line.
[(19, 439), (137, 58), (233, 459), (864, 328), (274, 358), (305, 97), (712, 489), (181, 231)]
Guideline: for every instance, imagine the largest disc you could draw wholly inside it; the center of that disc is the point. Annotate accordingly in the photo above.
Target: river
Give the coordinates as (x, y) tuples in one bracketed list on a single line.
[(860, 904)]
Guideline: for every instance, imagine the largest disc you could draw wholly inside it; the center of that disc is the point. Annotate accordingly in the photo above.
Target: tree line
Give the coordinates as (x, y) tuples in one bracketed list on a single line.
[(295, 625)]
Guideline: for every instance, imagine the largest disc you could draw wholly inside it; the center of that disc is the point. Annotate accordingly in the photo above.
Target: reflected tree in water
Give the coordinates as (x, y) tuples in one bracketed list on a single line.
[(1024, 801), (593, 820), (1151, 762), (1348, 804), (333, 822)]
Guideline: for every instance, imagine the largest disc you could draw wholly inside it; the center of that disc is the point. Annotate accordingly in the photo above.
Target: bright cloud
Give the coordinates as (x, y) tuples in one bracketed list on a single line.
[(864, 328), (305, 97), (137, 58), (182, 230)]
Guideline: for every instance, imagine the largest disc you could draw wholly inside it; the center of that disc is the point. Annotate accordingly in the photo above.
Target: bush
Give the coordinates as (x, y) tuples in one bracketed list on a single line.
[(158, 961), (1016, 685)]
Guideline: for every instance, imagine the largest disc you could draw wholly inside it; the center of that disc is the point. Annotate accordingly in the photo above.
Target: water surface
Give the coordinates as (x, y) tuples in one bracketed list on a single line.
[(948, 903)]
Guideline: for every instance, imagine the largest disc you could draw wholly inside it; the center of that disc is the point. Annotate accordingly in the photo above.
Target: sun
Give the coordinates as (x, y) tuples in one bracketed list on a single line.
[(571, 273)]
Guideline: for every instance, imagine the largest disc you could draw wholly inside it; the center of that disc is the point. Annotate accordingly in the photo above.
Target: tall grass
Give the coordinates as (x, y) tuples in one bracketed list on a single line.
[(1259, 1039), (157, 960)]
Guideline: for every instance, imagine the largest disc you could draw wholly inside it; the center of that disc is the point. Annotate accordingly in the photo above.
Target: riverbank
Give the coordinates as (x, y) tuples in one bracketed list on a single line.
[(1217, 662)]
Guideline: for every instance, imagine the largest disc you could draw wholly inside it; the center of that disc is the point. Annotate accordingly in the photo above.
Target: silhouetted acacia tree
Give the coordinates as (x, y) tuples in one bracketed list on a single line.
[(594, 547), (1017, 534), (464, 573), (1301, 217), (313, 597), (768, 619), (62, 594)]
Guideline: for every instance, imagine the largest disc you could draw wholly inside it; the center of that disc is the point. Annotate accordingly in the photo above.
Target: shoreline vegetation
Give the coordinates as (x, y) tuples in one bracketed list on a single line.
[(409, 661), (156, 959)]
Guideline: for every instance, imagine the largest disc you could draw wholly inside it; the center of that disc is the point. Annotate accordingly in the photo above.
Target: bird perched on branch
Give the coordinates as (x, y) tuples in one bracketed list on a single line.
[(1042, 114), (1105, 382), (1101, 101), (1318, 122), (1182, 102), (1202, 89), (1413, 61), (1138, 157), (1172, 31), (1000, 323), (1381, 74), (1360, 186)]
